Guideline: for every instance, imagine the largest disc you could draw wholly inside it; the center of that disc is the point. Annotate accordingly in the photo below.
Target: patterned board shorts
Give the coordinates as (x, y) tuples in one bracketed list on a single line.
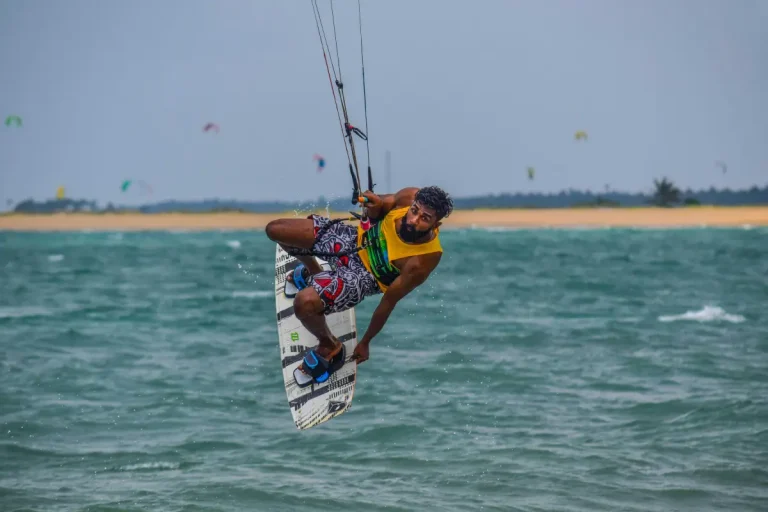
[(349, 282)]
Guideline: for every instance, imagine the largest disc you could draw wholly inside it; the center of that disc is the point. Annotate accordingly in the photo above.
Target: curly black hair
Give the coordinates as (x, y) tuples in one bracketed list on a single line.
[(436, 199)]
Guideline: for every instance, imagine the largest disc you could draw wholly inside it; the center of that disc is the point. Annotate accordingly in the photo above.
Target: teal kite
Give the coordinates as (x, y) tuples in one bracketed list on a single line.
[(144, 185), (13, 120)]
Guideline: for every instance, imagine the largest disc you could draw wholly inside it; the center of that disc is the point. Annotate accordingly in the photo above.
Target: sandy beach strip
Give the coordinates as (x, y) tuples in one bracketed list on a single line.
[(508, 218)]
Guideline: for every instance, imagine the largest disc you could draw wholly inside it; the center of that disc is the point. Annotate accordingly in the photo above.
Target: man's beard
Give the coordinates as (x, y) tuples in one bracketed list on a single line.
[(409, 233)]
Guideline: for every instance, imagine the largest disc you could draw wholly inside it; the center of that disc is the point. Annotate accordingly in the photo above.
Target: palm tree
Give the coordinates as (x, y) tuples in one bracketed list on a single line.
[(666, 193)]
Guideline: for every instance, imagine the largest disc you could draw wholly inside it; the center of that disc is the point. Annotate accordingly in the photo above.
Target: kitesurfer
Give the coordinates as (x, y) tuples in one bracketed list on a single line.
[(393, 257)]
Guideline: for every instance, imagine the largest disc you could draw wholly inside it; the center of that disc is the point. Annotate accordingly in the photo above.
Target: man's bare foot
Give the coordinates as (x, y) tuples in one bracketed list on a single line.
[(304, 272), (289, 277), (325, 352)]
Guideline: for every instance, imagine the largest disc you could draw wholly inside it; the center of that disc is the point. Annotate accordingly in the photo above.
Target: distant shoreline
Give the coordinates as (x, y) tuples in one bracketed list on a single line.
[(481, 218)]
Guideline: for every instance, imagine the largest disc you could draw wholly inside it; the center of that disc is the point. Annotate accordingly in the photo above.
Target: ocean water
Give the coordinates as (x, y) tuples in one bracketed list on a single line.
[(536, 370)]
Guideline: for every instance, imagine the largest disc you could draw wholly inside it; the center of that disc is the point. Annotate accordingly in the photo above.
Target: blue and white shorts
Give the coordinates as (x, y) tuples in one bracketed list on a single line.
[(348, 282)]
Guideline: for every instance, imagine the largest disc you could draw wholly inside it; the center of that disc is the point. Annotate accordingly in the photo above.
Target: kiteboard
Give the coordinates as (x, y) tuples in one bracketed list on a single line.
[(316, 403)]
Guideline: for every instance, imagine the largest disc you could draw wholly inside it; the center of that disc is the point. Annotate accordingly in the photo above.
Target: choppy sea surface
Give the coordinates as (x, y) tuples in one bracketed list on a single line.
[(536, 370)]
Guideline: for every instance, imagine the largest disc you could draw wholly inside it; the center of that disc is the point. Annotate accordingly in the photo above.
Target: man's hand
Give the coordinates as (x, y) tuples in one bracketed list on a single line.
[(374, 205), (413, 273), (360, 354), (374, 201), (378, 206)]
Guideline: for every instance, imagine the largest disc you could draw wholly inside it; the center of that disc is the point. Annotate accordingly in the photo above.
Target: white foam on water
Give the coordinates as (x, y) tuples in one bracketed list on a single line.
[(150, 465), (258, 294), (706, 314), (24, 311), (235, 244), (179, 286), (53, 258)]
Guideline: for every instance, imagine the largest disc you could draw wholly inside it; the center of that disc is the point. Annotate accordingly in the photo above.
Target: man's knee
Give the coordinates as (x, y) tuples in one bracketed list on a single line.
[(307, 303), (292, 232), (273, 229)]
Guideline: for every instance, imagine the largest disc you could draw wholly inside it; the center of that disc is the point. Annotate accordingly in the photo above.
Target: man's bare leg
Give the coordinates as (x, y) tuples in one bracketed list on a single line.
[(309, 307), (299, 233), (309, 261), (307, 304)]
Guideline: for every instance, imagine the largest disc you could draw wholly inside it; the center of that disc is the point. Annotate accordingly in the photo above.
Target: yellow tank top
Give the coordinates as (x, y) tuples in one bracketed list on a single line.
[(392, 247)]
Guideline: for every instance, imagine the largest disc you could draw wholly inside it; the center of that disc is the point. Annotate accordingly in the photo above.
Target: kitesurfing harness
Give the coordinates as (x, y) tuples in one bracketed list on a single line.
[(375, 245)]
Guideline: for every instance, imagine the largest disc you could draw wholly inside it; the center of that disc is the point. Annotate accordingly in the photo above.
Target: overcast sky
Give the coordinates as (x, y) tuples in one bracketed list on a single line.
[(465, 94)]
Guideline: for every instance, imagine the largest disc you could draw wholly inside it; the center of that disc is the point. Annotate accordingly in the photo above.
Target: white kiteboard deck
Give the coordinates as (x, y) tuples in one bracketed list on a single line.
[(316, 403)]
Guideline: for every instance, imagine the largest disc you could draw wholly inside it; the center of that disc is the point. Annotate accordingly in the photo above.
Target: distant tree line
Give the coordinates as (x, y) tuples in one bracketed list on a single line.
[(56, 206), (665, 193)]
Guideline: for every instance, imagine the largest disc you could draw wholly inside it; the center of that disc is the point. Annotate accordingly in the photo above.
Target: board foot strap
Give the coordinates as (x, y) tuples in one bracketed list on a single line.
[(320, 369)]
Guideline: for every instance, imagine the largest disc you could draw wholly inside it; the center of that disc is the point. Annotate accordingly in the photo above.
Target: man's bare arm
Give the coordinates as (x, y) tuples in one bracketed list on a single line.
[(413, 274)]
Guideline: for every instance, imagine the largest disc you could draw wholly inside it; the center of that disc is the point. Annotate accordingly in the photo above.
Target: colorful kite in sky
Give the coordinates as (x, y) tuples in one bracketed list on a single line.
[(722, 166), (144, 186), (211, 126), (320, 162), (13, 120)]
